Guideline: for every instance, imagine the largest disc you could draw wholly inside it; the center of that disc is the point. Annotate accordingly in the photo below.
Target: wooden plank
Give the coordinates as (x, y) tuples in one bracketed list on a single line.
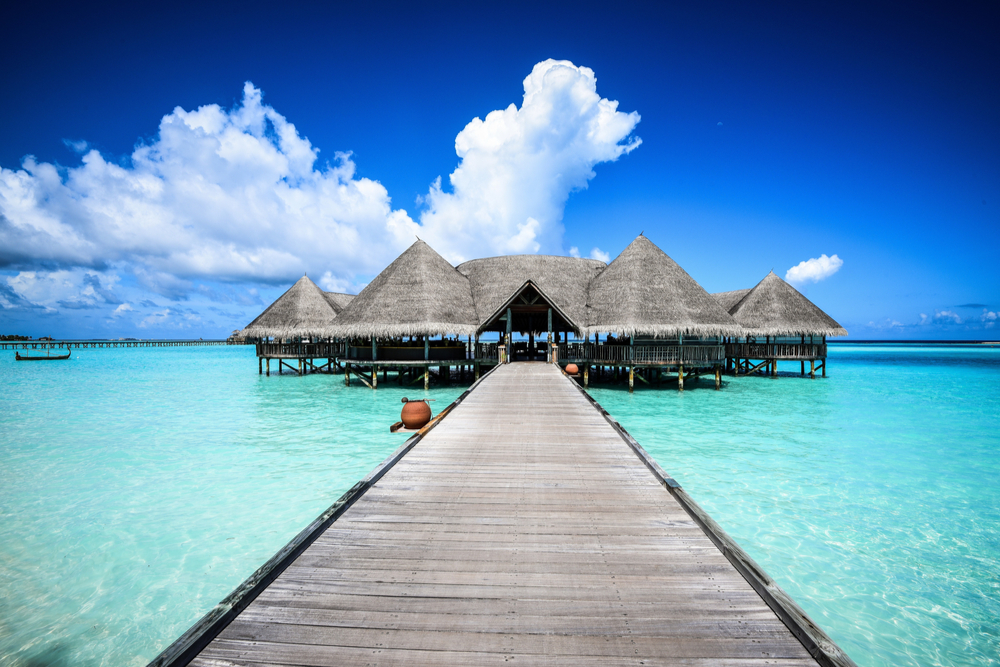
[(524, 527)]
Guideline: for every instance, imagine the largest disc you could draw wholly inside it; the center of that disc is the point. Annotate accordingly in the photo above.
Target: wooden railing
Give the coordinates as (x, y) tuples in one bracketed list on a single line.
[(776, 351), (677, 354), (487, 350), (641, 354), (300, 350)]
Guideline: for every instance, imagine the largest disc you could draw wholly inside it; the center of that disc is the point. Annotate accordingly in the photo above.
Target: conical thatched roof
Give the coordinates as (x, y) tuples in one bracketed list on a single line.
[(643, 291), (338, 301), (301, 311), (729, 299), (419, 294), (564, 280), (775, 308)]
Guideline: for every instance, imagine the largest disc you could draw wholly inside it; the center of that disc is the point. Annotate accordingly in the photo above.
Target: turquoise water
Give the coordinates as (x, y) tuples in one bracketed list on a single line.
[(139, 487), (872, 496)]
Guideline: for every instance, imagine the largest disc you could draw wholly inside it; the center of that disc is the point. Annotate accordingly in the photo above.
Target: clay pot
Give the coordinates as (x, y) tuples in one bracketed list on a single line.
[(572, 369), (415, 414)]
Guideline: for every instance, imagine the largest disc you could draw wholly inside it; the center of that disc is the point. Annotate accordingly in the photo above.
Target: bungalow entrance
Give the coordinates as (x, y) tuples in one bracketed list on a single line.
[(529, 312)]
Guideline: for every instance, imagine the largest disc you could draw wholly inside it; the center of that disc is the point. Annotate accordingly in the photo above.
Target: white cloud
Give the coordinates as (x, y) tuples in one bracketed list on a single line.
[(813, 270), (229, 194), (947, 317), (121, 310), (66, 288), (518, 166), (238, 194), (989, 316), (574, 252), (597, 253)]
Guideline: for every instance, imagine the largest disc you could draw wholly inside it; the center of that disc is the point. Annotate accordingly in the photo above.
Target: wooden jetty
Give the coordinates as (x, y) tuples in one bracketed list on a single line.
[(526, 527), (100, 344)]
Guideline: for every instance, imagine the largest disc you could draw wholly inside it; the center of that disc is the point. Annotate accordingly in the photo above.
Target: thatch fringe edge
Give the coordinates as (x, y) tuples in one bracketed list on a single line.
[(286, 332), (667, 331), (365, 330), (778, 331)]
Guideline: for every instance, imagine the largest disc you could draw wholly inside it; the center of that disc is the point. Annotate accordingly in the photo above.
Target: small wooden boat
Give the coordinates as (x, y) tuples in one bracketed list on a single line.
[(47, 357)]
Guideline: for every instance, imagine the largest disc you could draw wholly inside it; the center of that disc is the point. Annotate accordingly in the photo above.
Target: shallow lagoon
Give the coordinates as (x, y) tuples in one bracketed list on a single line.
[(138, 487)]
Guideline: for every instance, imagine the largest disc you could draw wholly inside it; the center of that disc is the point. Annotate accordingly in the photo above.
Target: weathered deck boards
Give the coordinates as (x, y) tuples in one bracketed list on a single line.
[(521, 529)]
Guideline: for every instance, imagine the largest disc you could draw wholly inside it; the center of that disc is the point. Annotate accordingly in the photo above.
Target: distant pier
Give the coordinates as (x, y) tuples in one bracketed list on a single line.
[(525, 526), (98, 344)]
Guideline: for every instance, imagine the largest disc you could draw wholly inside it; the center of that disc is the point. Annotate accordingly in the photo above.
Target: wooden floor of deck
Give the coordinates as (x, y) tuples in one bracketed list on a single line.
[(522, 529)]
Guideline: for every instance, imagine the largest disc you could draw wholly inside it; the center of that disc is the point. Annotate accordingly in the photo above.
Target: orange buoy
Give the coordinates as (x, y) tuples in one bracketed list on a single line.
[(572, 369), (415, 414)]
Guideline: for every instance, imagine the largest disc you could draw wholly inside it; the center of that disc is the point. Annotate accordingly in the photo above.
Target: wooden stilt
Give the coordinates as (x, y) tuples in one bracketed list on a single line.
[(774, 368), (477, 369), (347, 375), (802, 368), (718, 377), (824, 368), (269, 367), (631, 378), (374, 377), (680, 378), (427, 377), (812, 368), (260, 366), (586, 375)]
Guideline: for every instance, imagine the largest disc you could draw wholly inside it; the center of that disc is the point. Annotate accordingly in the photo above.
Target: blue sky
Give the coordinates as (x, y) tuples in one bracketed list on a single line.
[(168, 172)]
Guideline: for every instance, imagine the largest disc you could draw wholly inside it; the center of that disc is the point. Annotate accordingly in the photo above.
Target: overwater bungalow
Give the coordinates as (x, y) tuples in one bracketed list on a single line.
[(655, 318), (779, 324), (298, 326), (641, 315)]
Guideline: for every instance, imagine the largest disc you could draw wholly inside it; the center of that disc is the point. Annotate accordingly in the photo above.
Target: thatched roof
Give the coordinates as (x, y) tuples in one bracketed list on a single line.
[(301, 311), (775, 308), (729, 299), (419, 294), (643, 291), (338, 301), (564, 280)]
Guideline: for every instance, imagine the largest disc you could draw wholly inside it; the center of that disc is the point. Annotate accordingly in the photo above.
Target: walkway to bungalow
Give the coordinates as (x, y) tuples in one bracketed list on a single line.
[(524, 529)]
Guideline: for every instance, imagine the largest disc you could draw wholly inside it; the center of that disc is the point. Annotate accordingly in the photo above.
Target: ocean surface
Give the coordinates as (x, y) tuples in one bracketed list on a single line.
[(138, 487)]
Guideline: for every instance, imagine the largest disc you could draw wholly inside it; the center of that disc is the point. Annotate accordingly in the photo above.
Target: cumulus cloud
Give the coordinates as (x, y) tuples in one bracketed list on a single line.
[(232, 194), (238, 195), (66, 288), (121, 310), (519, 166), (989, 318), (813, 270)]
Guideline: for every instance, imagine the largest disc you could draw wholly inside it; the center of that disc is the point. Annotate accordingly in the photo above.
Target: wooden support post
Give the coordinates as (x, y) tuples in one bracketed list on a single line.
[(774, 368), (476, 364), (586, 375), (680, 377), (548, 352), (510, 322), (301, 365), (812, 368), (802, 368), (347, 375), (427, 377), (374, 376), (269, 367), (824, 368), (260, 366), (718, 377), (631, 378)]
